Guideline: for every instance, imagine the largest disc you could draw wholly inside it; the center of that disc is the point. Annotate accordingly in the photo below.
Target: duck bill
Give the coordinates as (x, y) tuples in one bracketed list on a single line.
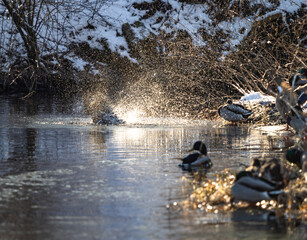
[(190, 150)]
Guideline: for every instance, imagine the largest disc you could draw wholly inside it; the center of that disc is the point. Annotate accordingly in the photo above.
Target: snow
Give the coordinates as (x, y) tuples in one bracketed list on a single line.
[(107, 18), (257, 97), (78, 63), (273, 130)]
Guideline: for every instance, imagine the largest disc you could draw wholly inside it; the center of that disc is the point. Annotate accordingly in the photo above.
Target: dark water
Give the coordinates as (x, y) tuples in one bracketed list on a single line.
[(63, 178)]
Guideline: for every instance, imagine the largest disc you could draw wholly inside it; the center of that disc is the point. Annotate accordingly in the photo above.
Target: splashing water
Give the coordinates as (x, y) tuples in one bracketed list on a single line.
[(137, 116), (132, 116)]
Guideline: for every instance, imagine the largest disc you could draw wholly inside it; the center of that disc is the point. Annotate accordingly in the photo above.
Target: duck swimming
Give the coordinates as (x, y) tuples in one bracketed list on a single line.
[(233, 112), (197, 159), (107, 117)]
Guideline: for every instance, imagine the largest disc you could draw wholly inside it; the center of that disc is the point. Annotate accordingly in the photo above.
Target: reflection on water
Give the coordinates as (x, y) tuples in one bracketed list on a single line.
[(61, 177)]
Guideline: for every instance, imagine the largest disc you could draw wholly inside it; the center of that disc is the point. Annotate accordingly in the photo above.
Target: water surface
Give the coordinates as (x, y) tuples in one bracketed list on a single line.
[(61, 177)]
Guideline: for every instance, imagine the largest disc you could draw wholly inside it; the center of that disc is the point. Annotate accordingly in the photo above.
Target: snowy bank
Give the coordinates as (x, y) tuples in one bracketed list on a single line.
[(166, 57), (93, 22)]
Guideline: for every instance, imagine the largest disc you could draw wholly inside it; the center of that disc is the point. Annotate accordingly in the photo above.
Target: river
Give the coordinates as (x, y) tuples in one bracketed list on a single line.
[(62, 177)]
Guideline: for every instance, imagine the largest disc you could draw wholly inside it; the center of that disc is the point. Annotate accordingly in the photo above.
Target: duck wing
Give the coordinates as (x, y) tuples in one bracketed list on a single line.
[(238, 109), (248, 194), (229, 115), (205, 161), (190, 158), (256, 183), (302, 99), (297, 119), (233, 112)]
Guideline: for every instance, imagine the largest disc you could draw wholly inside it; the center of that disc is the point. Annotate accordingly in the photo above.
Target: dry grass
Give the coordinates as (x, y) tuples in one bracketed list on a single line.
[(213, 195)]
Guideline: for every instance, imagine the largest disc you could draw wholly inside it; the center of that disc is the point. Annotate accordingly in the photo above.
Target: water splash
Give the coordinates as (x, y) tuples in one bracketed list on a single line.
[(132, 116), (136, 116)]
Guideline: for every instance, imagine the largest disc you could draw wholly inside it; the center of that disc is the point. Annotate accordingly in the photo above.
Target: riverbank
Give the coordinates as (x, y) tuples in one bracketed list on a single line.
[(173, 57)]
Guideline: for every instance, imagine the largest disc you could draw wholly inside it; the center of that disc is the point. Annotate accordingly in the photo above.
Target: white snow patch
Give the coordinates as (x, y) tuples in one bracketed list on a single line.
[(273, 130), (77, 62), (257, 97)]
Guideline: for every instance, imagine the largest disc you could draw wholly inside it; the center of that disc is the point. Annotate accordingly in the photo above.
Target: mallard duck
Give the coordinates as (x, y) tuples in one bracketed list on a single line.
[(272, 171), (303, 73), (297, 156), (107, 117), (260, 181), (197, 159), (254, 167), (298, 83), (299, 78), (253, 189), (233, 112), (297, 119), (302, 97), (285, 98)]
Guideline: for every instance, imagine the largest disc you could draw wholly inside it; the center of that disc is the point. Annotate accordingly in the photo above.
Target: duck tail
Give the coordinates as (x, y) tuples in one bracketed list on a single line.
[(275, 193), (246, 115)]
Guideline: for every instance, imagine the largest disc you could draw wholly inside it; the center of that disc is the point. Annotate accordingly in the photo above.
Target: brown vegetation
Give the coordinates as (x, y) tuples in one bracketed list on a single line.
[(173, 76)]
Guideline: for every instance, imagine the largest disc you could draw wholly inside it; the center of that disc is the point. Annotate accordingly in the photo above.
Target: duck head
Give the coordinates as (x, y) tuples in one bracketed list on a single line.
[(272, 171), (277, 80), (199, 146), (302, 71), (294, 155), (299, 78), (229, 101), (243, 174)]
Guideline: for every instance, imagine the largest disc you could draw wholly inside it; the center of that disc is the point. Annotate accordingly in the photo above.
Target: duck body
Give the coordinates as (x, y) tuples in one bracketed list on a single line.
[(298, 83), (286, 97), (197, 159), (302, 98), (297, 119), (262, 180), (299, 78), (250, 188), (234, 112), (107, 117)]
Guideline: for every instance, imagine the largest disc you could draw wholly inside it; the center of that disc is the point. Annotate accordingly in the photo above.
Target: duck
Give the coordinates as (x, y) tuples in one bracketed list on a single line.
[(197, 159), (297, 156), (302, 97), (254, 167), (233, 112), (272, 171), (298, 83), (285, 98), (299, 78), (252, 189), (107, 117), (263, 180), (297, 119)]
